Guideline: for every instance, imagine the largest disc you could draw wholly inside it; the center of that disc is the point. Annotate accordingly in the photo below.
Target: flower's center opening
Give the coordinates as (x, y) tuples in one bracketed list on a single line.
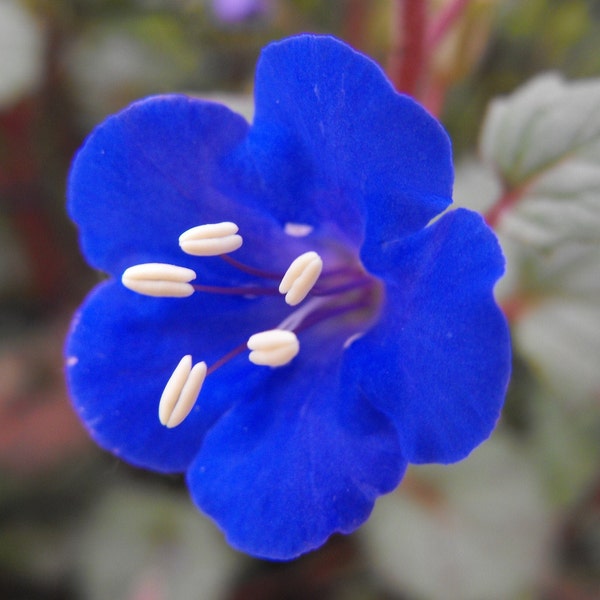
[(342, 300)]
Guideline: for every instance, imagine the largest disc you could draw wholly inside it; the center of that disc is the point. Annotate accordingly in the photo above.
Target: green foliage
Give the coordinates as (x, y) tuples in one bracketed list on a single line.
[(543, 142)]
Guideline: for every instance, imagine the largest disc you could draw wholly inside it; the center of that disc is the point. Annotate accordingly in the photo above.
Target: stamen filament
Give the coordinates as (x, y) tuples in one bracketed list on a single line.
[(293, 321), (250, 270), (318, 316), (226, 358), (159, 279), (236, 291), (352, 285)]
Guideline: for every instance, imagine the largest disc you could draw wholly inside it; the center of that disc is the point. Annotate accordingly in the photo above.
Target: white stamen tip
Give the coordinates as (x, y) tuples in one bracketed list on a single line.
[(273, 348), (211, 239), (181, 392), (301, 277), (297, 229), (159, 279)]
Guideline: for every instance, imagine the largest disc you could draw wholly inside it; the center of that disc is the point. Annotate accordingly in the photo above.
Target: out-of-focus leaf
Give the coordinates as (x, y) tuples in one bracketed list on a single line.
[(119, 60), (561, 340), (564, 444), (562, 204), (553, 297), (148, 542), (21, 51), (545, 121), (544, 143), (243, 104), (476, 186), (468, 531)]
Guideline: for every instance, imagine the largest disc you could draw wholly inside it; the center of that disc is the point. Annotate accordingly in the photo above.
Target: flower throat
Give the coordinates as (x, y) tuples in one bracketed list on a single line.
[(345, 295)]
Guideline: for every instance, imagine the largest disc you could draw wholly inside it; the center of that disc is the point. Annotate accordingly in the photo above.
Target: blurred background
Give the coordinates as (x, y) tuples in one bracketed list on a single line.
[(519, 519)]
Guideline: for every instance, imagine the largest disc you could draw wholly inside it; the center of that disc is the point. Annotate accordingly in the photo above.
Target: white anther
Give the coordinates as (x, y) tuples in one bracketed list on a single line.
[(159, 279), (300, 277), (181, 392), (273, 348), (297, 229), (211, 240)]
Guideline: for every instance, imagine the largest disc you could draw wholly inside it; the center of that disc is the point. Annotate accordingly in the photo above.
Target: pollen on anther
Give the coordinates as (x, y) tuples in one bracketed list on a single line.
[(159, 279), (211, 239), (181, 392), (273, 348), (301, 277), (297, 229)]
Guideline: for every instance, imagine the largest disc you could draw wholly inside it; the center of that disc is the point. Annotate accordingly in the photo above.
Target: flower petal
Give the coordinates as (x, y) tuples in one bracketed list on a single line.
[(161, 167), (124, 347), (296, 460), (335, 143), (438, 360)]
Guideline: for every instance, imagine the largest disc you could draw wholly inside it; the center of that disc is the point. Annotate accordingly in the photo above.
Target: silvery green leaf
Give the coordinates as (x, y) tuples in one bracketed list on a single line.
[(476, 529), (476, 185), (142, 541), (543, 123), (543, 141), (563, 203), (552, 296), (22, 51), (564, 445), (243, 104), (561, 340)]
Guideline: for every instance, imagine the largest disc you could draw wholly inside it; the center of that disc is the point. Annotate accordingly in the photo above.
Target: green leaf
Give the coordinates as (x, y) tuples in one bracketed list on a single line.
[(543, 141), (561, 341), (545, 122), (144, 541), (476, 529)]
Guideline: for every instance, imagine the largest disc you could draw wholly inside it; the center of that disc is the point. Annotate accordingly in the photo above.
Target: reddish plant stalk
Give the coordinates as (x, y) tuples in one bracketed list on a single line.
[(451, 12), (506, 201), (408, 47), (356, 19), (514, 307)]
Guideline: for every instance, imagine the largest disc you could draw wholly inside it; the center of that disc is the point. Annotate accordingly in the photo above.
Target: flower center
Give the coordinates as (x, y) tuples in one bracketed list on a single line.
[(343, 300)]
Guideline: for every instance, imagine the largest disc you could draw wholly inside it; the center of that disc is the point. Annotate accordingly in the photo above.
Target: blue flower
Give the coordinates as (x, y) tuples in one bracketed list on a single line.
[(239, 10), (397, 354)]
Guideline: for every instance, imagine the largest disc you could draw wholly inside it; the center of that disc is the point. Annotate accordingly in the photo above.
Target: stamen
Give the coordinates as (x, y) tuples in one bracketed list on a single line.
[(273, 348), (297, 229), (159, 279), (211, 240), (295, 319), (300, 277), (181, 392)]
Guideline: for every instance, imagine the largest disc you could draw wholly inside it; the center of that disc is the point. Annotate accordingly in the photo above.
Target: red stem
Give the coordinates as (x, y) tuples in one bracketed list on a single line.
[(514, 307), (447, 17), (356, 19), (408, 47), (506, 201)]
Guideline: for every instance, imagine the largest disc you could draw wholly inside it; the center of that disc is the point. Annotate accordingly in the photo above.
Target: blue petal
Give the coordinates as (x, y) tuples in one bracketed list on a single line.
[(298, 459), (122, 350), (151, 172), (438, 360), (333, 142), (161, 166), (144, 176)]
